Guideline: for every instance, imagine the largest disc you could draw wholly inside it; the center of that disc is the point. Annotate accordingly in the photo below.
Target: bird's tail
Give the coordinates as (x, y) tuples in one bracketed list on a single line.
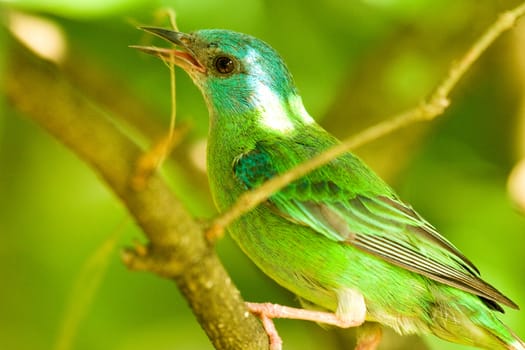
[(517, 344), (472, 323), (481, 336)]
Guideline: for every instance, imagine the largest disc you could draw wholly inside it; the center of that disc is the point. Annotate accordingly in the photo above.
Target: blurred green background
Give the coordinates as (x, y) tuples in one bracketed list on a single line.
[(355, 62)]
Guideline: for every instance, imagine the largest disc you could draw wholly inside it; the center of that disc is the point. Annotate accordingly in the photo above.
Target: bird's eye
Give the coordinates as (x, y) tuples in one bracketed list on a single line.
[(224, 65)]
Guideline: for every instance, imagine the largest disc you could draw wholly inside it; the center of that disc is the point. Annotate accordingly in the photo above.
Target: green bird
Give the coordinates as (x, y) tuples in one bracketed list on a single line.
[(339, 238)]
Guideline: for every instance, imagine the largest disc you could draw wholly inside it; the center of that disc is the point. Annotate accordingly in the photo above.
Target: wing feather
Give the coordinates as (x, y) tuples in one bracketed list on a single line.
[(376, 223)]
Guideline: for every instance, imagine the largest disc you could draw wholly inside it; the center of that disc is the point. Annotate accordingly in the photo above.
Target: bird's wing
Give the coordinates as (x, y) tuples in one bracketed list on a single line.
[(376, 223)]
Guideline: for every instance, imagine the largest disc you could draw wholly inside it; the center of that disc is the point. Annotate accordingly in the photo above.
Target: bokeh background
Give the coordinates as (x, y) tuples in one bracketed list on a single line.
[(355, 63)]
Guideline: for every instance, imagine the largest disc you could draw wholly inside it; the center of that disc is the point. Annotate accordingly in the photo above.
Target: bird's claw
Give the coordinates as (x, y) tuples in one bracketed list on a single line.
[(275, 341)]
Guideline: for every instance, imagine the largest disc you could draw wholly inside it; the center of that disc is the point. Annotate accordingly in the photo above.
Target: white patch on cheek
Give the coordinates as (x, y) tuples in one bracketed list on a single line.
[(272, 113)]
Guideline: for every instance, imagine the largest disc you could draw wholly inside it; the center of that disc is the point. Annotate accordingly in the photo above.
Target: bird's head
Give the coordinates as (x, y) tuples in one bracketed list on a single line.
[(238, 74)]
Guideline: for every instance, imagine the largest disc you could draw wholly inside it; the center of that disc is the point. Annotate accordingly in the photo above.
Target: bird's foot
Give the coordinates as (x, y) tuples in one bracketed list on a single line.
[(268, 311), (276, 343)]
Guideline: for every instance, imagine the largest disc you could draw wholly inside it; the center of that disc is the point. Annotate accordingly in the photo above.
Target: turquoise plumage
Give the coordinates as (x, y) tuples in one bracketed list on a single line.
[(339, 237)]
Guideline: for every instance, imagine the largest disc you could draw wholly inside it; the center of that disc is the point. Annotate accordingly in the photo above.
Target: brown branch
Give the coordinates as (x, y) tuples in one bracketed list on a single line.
[(428, 110), (177, 248)]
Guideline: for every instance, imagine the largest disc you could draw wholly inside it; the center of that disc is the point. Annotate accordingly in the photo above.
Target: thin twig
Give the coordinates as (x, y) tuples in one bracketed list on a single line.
[(151, 161), (428, 110)]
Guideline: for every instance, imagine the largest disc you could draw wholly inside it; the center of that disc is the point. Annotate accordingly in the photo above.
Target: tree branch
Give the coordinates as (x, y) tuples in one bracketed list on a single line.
[(432, 107), (177, 248)]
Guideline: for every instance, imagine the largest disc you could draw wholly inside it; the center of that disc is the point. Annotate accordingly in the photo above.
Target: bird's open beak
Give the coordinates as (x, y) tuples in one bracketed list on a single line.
[(184, 58)]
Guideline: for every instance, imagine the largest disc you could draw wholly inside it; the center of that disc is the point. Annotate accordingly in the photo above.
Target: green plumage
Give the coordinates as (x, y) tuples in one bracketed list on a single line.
[(339, 227)]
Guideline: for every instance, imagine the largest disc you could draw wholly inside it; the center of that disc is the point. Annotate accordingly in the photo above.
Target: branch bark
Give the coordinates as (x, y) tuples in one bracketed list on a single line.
[(177, 248)]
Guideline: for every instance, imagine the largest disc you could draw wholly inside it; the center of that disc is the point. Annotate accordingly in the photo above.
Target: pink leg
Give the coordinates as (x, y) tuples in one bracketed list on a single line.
[(270, 310), (267, 311), (276, 342)]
